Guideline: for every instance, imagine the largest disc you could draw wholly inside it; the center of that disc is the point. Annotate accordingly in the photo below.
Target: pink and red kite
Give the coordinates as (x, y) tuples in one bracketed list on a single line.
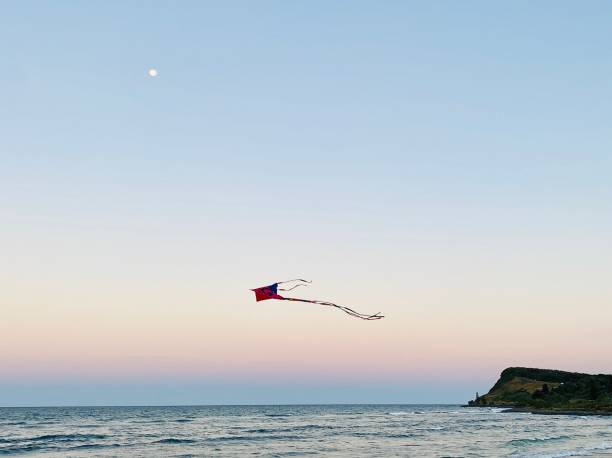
[(271, 292)]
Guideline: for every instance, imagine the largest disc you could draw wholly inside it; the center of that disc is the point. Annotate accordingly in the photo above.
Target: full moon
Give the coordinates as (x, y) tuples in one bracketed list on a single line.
[(152, 72)]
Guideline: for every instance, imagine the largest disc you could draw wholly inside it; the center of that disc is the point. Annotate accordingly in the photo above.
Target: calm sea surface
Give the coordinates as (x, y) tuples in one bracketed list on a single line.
[(342, 430)]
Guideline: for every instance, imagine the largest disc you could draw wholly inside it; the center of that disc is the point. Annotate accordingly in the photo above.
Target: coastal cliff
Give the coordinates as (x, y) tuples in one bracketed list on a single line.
[(549, 391)]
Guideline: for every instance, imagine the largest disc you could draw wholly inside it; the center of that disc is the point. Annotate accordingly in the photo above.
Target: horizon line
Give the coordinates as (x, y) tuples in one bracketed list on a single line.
[(232, 405)]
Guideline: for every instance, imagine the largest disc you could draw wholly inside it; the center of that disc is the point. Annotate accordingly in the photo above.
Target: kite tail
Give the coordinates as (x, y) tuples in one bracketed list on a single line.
[(294, 286), (295, 279), (349, 311)]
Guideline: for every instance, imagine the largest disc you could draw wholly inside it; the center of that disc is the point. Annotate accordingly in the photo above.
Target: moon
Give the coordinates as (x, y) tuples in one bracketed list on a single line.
[(152, 72)]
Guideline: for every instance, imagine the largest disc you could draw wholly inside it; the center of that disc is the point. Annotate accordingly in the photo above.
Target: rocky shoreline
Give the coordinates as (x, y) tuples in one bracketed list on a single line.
[(580, 413), (515, 409)]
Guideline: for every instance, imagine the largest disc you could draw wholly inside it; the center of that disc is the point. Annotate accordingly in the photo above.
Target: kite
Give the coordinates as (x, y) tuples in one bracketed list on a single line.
[(271, 292)]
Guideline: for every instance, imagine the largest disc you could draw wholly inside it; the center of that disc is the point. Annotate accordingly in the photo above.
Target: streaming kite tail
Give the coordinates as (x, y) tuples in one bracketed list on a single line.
[(363, 316), (349, 311), (294, 286), (295, 279)]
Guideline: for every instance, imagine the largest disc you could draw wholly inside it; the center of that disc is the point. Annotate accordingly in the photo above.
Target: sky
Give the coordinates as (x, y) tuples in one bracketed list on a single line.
[(445, 163)]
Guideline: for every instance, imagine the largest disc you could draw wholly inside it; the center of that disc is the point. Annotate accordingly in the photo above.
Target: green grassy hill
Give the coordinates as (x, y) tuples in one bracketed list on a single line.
[(550, 390)]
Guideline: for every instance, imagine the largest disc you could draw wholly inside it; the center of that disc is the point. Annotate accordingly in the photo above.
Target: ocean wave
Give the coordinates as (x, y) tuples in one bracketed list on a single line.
[(498, 409), (36, 423), (255, 438), (307, 427), (289, 429), (174, 440), (385, 435), (536, 440), (22, 449), (433, 428), (146, 422), (298, 453), (55, 438), (98, 446), (44, 442), (67, 437)]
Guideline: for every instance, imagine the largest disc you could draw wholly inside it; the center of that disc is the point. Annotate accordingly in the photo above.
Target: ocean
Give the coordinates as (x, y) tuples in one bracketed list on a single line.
[(298, 430)]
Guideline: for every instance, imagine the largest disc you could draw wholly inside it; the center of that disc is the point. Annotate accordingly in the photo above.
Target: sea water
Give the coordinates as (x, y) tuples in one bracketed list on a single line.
[(300, 430)]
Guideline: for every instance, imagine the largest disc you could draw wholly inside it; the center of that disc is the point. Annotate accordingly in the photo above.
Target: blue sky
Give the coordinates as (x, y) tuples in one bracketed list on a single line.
[(447, 163)]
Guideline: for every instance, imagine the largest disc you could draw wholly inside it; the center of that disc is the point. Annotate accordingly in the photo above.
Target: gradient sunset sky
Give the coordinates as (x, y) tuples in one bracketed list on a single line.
[(446, 163)]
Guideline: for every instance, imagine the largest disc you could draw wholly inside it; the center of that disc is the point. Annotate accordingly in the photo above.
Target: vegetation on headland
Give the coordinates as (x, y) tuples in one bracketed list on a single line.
[(549, 391)]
